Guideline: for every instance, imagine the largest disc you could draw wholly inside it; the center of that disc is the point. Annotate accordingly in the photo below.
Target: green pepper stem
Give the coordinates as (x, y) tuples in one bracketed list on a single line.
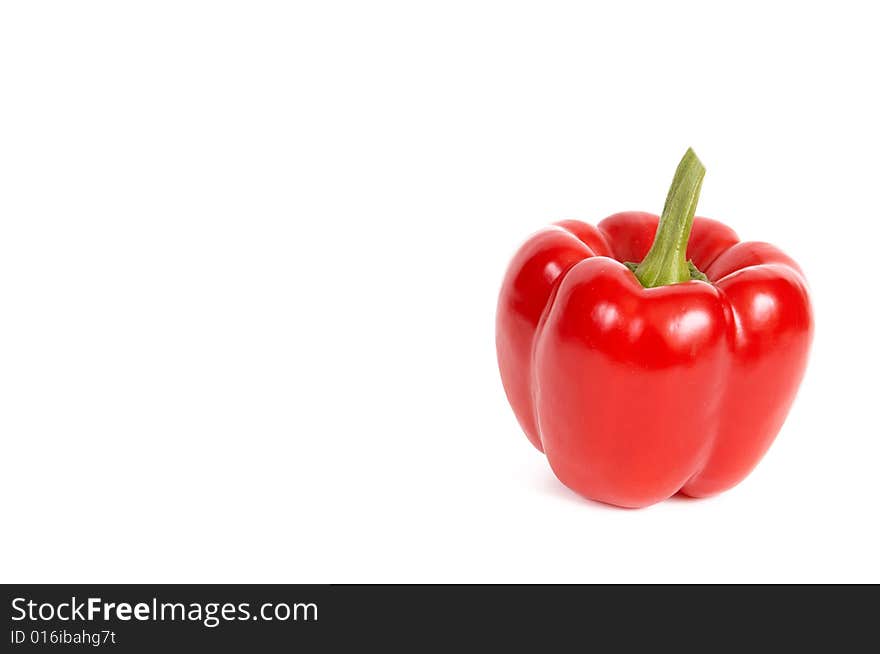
[(666, 261)]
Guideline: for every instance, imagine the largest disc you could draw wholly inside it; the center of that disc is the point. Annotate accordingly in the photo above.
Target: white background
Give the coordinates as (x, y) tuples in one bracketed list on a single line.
[(249, 258)]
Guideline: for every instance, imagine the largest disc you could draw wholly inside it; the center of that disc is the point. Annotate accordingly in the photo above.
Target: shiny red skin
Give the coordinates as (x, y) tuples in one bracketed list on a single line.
[(635, 394)]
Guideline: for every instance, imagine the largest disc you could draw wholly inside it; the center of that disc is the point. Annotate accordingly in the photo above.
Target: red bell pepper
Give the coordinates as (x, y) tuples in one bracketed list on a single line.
[(649, 356)]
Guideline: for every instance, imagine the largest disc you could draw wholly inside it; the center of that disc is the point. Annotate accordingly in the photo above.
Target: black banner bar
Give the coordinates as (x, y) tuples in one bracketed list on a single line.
[(150, 618)]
